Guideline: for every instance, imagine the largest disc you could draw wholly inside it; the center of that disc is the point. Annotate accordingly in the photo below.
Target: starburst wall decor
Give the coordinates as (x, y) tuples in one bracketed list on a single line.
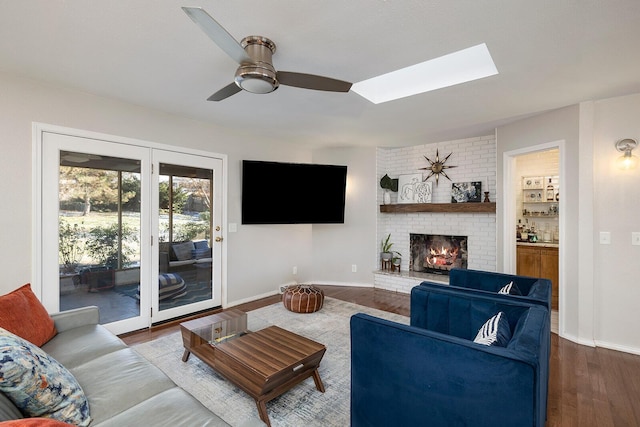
[(437, 167)]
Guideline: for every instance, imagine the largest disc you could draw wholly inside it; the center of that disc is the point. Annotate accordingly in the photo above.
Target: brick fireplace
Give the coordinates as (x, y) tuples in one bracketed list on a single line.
[(475, 160)]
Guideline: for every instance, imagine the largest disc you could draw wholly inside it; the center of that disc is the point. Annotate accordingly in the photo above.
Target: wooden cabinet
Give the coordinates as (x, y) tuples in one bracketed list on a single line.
[(539, 262)]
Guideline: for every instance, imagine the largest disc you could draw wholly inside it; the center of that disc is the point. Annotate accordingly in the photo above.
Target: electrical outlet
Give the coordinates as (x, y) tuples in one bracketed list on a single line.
[(295, 270), (354, 268), (635, 238)]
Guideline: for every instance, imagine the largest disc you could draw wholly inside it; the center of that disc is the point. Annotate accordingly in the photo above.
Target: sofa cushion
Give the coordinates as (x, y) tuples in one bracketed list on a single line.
[(495, 331), (8, 410), (182, 251), (37, 384), (201, 244), (37, 327), (510, 289), (118, 381), (172, 407), (83, 344), (201, 253)]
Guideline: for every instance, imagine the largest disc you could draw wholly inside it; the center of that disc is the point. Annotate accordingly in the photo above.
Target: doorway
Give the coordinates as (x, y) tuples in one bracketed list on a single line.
[(533, 217), (102, 204)]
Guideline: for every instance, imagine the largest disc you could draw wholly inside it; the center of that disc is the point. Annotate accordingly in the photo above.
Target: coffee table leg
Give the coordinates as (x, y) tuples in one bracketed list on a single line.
[(318, 381), (262, 411), (185, 355)]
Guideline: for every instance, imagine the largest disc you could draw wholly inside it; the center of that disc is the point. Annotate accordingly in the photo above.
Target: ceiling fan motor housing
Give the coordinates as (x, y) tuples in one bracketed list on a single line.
[(259, 76)]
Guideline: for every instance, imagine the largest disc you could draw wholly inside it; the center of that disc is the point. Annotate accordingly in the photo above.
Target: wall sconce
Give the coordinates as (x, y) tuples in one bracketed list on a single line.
[(627, 160)]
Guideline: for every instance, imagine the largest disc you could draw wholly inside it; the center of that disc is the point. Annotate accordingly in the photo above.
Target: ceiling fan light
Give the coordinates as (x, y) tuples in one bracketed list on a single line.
[(256, 79)]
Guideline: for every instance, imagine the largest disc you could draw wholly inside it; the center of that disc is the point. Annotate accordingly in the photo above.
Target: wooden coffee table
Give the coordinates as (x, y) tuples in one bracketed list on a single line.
[(264, 364)]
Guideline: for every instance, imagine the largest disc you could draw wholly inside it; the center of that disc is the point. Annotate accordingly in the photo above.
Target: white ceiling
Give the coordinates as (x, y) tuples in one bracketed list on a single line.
[(549, 54)]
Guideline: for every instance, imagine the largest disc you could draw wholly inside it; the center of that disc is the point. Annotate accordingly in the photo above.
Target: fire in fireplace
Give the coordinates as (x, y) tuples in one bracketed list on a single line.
[(437, 254)]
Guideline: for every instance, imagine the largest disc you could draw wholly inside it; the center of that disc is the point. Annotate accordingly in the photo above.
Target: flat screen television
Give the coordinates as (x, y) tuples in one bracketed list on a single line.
[(292, 193)]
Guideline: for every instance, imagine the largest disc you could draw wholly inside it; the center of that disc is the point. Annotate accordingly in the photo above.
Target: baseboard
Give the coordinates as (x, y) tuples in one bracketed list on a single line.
[(617, 347), (281, 288), (352, 284), (250, 299), (581, 341)]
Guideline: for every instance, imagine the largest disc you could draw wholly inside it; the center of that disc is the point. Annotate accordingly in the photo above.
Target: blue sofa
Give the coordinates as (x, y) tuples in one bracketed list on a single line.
[(534, 290), (432, 373)]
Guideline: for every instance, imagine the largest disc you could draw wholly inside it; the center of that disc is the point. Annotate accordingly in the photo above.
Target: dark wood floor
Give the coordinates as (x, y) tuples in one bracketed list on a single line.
[(588, 386)]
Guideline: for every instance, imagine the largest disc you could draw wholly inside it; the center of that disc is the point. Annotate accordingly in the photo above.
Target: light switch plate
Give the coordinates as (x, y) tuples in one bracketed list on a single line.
[(635, 238), (233, 227), (605, 238)]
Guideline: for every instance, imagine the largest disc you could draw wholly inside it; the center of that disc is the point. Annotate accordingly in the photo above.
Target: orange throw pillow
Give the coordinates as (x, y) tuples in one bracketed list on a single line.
[(24, 315)]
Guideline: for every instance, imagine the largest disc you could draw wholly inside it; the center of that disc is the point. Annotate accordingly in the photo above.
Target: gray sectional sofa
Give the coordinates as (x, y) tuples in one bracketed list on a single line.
[(122, 387)]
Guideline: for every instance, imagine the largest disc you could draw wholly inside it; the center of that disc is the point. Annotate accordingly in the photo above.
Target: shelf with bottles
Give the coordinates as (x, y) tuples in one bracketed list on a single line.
[(531, 232), (550, 212), (541, 190), (540, 202), (541, 196)]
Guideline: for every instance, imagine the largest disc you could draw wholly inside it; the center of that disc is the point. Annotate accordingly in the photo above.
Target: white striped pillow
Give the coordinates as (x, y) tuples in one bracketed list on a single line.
[(510, 289), (495, 331)]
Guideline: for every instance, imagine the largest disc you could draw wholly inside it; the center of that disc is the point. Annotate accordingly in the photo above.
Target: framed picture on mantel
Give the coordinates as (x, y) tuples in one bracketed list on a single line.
[(407, 187), (423, 192), (463, 192)]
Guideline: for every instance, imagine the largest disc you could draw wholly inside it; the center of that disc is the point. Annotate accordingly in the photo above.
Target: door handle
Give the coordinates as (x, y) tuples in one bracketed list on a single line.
[(218, 239)]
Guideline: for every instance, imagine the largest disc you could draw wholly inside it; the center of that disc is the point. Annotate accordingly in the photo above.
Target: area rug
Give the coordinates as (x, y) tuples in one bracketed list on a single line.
[(303, 405)]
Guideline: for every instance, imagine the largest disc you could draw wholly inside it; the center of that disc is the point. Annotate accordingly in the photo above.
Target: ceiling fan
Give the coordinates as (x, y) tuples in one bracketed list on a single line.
[(256, 73)]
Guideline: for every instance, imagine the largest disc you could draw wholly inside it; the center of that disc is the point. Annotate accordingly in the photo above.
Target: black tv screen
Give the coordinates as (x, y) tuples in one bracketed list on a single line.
[(292, 193)]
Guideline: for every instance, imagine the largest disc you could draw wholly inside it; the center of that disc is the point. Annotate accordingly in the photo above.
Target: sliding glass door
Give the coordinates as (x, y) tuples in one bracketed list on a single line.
[(134, 230), (188, 191), (95, 203)]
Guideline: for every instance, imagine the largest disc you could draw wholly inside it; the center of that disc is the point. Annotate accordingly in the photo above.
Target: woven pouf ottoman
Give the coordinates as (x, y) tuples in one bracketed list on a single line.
[(303, 298)]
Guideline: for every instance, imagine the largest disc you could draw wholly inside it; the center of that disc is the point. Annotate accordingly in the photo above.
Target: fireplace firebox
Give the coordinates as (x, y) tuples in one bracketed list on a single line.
[(437, 254)]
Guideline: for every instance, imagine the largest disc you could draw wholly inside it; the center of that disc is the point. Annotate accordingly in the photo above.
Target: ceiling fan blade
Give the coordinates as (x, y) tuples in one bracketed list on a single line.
[(225, 92), (218, 34), (310, 81)]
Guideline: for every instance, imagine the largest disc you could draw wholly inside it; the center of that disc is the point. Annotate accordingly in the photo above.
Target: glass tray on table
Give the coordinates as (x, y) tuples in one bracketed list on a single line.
[(223, 329)]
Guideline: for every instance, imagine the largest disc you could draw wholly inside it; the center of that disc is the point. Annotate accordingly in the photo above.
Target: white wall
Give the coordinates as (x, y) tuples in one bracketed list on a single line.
[(337, 247), (617, 207), (601, 291), (557, 125), (260, 257)]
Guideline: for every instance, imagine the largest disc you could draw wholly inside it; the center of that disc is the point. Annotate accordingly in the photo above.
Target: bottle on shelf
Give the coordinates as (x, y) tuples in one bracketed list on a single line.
[(519, 229), (533, 235), (551, 192), (524, 234)]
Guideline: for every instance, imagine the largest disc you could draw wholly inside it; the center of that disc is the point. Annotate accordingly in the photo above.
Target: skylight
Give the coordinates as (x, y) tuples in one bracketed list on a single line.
[(458, 67)]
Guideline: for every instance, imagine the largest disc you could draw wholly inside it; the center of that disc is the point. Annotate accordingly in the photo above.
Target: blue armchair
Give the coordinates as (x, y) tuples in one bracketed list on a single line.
[(534, 290), (432, 373)]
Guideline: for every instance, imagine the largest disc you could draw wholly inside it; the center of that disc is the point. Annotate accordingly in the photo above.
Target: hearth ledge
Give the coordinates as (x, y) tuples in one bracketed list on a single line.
[(404, 281)]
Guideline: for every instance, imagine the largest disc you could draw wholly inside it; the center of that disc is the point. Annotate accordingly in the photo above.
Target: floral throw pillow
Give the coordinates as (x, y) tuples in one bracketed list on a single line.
[(38, 384)]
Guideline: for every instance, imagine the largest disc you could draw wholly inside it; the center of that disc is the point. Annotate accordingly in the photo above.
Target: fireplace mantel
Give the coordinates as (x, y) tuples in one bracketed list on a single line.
[(439, 207)]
